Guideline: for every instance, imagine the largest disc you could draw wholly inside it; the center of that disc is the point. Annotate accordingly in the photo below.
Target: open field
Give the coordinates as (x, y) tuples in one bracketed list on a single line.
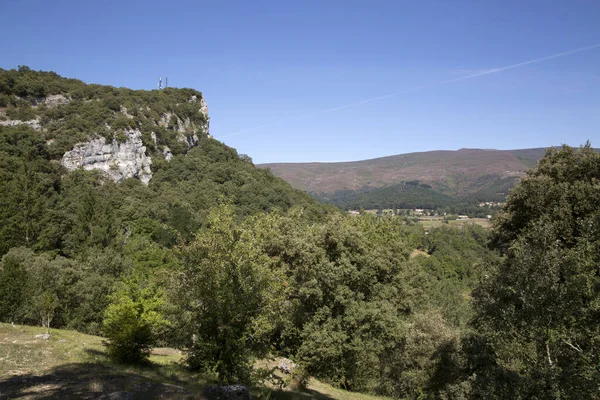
[(71, 365), (430, 222)]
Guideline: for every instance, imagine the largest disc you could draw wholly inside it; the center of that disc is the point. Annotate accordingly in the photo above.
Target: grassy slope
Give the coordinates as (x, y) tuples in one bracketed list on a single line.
[(74, 365)]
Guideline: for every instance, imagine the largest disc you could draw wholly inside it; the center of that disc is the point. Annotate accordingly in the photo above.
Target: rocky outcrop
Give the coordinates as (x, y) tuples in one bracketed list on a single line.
[(118, 160), (128, 159), (231, 392), (184, 126), (167, 153), (204, 111), (32, 123), (53, 100)]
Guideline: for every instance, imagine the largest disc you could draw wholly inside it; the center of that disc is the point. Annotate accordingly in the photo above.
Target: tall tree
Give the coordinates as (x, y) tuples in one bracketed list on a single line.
[(225, 288), (28, 183), (539, 312), (13, 285)]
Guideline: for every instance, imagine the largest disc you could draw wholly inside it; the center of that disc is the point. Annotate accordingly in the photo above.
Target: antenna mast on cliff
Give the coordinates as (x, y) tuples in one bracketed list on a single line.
[(166, 82), (160, 83)]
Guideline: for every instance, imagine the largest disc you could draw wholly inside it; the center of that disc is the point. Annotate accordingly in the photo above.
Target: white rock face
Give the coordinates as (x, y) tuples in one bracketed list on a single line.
[(118, 160), (54, 100), (167, 153), (33, 123), (204, 111), (185, 128)]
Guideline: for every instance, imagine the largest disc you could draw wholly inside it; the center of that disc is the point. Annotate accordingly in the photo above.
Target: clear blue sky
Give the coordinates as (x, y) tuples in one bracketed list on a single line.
[(262, 62)]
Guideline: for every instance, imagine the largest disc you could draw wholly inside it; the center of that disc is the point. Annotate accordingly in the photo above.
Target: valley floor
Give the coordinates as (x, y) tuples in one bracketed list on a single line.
[(430, 222), (74, 365)]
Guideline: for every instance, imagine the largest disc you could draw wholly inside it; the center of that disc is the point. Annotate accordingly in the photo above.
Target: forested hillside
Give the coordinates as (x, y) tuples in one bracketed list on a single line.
[(231, 265), (411, 194), (45, 207)]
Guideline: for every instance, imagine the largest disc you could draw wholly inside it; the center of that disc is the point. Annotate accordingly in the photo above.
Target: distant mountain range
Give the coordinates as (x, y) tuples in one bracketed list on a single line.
[(433, 178)]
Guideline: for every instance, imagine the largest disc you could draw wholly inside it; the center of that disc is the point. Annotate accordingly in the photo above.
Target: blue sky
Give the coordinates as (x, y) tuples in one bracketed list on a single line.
[(268, 69)]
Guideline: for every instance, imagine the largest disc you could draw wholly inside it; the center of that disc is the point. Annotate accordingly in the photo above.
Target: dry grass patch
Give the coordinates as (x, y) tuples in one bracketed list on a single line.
[(417, 252)]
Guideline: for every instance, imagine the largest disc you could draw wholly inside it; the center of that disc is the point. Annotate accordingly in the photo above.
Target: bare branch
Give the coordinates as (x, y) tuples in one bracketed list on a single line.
[(548, 352), (576, 348)]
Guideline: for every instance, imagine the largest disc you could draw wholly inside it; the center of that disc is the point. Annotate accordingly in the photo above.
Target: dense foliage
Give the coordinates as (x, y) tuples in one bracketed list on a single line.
[(246, 266), (343, 297), (88, 232), (411, 194), (133, 319), (538, 313), (414, 194)]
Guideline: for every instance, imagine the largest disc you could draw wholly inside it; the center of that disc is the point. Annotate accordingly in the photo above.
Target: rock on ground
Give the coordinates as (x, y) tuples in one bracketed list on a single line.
[(231, 392)]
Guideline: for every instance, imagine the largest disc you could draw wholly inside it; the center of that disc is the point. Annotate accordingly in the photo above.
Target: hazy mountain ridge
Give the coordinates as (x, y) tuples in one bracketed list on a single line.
[(461, 173)]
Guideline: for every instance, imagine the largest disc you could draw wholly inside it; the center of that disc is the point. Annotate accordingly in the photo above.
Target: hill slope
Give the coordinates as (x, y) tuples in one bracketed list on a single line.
[(411, 194), (69, 151), (458, 173)]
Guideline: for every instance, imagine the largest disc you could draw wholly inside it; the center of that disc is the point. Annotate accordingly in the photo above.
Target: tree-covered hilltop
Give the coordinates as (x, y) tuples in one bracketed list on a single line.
[(46, 208), (68, 111)]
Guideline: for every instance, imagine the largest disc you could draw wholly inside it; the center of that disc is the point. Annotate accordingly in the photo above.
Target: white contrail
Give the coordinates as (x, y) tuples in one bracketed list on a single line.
[(430, 85)]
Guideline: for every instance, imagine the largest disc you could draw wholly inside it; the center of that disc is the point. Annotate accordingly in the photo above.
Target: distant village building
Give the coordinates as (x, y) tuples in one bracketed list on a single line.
[(354, 212), (489, 204), (463, 217)]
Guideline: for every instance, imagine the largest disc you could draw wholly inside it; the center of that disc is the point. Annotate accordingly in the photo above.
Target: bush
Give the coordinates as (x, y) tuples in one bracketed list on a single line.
[(131, 320)]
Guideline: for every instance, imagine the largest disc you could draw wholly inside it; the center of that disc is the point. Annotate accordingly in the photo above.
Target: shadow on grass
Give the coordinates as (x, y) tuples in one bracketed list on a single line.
[(92, 381), (306, 394), (96, 353), (103, 379)]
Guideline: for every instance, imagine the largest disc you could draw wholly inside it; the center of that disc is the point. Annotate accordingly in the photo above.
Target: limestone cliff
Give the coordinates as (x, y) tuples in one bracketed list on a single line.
[(131, 158), (118, 160)]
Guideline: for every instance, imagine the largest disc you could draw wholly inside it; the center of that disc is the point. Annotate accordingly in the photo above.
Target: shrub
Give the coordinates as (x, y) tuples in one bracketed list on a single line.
[(131, 320)]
